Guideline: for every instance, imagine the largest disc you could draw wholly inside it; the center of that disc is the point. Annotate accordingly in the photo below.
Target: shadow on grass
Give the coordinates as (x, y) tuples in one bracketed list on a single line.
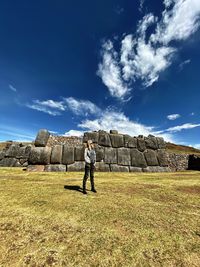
[(73, 187)]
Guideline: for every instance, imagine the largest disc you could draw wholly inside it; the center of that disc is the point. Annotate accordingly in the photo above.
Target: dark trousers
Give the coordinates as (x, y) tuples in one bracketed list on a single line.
[(89, 170)]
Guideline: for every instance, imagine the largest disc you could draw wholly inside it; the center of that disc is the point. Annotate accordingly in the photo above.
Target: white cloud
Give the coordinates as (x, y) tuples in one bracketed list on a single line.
[(12, 88), (81, 107), (74, 133), (179, 128), (109, 71), (49, 106), (144, 56), (196, 146), (172, 117), (182, 64), (117, 120)]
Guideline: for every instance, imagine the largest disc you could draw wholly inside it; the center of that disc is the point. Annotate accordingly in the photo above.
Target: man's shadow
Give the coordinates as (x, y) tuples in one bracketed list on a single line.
[(74, 187)]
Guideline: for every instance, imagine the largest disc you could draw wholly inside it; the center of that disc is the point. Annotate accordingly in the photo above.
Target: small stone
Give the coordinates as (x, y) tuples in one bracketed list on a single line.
[(55, 168)]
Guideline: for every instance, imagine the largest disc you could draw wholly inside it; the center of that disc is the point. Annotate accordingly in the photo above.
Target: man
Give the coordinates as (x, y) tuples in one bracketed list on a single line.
[(90, 160)]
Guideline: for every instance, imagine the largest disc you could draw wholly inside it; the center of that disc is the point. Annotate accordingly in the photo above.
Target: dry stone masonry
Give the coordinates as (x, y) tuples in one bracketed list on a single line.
[(114, 152)]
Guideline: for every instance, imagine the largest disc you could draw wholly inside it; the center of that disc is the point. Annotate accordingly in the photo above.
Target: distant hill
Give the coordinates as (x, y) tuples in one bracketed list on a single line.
[(180, 149)]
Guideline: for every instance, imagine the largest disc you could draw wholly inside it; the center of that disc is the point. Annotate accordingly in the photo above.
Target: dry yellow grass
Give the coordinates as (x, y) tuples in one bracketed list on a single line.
[(133, 220)]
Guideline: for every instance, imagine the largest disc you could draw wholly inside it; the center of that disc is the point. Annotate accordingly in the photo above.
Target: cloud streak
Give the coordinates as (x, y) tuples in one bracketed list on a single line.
[(142, 57), (173, 117)]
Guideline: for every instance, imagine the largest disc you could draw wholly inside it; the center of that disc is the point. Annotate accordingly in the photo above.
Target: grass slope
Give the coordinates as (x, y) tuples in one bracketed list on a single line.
[(133, 220)]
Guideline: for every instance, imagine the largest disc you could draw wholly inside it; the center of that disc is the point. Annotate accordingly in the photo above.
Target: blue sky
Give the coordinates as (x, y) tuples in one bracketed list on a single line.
[(78, 66)]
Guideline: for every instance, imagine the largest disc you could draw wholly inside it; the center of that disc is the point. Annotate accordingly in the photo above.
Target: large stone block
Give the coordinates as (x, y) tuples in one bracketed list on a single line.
[(137, 158), (94, 136), (151, 159), (156, 169), (118, 168), (35, 168), (2, 154), (78, 166), (9, 162), (130, 141), (104, 139), (24, 152), (162, 157), (123, 156), (68, 155), (110, 155), (113, 132), (151, 142), (99, 153), (56, 154), (79, 153), (117, 140), (55, 168), (40, 155), (13, 151), (135, 169), (161, 143), (141, 144), (42, 138), (102, 167)]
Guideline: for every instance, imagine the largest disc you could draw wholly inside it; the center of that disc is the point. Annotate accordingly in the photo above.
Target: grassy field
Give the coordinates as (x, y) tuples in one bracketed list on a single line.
[(133, 220)]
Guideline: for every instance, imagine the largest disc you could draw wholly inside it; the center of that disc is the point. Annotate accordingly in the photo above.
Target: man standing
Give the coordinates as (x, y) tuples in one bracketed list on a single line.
[(90, 160)]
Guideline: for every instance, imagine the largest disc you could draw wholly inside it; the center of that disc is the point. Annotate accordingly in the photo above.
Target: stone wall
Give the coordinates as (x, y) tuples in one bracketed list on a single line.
[(178, 162), (115, 152)]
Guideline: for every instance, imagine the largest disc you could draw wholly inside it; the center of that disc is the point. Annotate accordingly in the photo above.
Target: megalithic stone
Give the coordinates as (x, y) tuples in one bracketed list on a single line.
[(42, 138)]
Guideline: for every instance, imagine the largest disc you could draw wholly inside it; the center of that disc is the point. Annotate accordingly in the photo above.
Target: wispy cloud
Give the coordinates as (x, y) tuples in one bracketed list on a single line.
[(74, 133), (142, 57), (173, 117), (50, 107), (15, 134), (182, 64), (12, 88), (179, 128), (81, 107)]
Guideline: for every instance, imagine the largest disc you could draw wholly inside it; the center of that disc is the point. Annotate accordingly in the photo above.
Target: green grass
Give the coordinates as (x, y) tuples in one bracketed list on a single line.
[(133, 220)]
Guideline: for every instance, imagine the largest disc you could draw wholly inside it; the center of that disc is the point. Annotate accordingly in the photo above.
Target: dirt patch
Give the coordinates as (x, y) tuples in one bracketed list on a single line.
[(195, 189)]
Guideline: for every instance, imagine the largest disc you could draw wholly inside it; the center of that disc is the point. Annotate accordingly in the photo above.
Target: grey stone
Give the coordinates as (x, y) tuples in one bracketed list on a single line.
[(130, 141), (76, 166), (102, 167), (94, 136), (25, 164), (42, 138), (13, 151), (55, 168), (79, 153), (150, 156), (99, 153), (161, 143), (56, 154), (9, 162), (137, 158), (110, 155), (68, 155), (113, 132), (123, 156), (135, 169), (156, 169), (162, 157), (141, 144), (118, 168), (24, 152), (104, 139), (117, 140), (151, 142), (35, 168), (40, 155), (2, 154)]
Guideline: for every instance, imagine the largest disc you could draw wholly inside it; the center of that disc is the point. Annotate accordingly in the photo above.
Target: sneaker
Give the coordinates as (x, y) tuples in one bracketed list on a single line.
[(94, 190)]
